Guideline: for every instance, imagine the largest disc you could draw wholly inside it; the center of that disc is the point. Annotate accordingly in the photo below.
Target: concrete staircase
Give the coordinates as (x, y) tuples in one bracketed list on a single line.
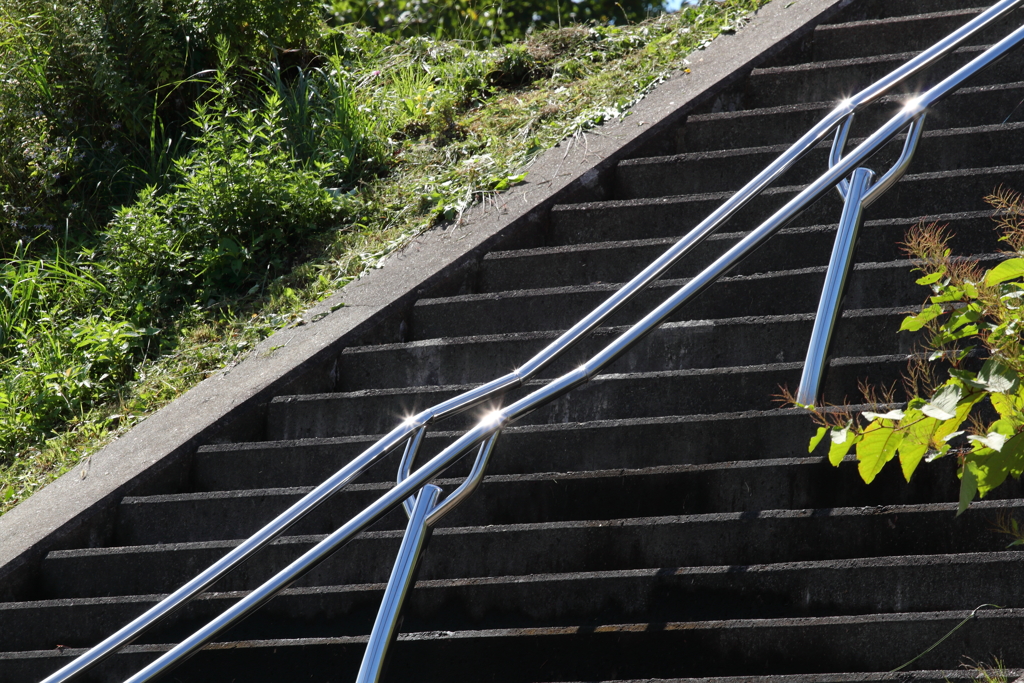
[(662, 522)]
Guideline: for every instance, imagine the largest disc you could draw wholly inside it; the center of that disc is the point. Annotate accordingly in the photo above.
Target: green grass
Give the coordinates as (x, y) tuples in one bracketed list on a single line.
[(280, 185)]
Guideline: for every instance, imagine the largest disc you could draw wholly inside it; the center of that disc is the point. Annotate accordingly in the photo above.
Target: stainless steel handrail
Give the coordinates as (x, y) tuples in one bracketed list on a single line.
[(411, 431)]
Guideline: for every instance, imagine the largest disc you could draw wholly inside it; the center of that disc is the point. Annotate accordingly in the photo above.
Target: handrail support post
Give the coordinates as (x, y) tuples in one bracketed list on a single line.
[(829, 305), (385, 628)]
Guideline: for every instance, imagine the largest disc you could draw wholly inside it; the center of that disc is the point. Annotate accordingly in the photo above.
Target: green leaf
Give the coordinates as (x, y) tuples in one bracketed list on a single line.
[(943, 403), (895, 414), (914, 323), (993, 441), (959, 318), (817, 439), (968, 487), (945, 430), (842, 440), (1003, 426), (997, 378), (990, 467), (877, 447), (948, 294), (1008, 407), (931, 279), (1007, 270), (947, 337), (8, 493), (501, 184), (917, 440)]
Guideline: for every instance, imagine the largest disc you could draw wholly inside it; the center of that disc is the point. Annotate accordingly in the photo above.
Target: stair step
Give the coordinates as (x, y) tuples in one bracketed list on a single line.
[(790, 483), (966, 108), (618, 396), (866, 37), (884, 9), (919, 194), (966, 673), (735, 538), (606, 652), (870, 285), (594, 263), (729, 170), (676, 346), (896, 34), (665, 594), (602, 444), (825, 81)]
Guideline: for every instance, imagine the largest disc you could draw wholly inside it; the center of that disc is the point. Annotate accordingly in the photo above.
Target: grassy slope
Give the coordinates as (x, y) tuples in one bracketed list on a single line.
[(464, 123)]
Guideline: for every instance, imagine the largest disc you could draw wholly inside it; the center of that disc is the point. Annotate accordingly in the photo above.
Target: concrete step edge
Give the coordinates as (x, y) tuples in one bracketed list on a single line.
[(826, 107), (640, 522), (782, 189), (952, 616), (544, 477), (427, 584), (587, 247), (513, 337), (675, 159), (611, 376), (871, 266), (968, 11), (897, 57)]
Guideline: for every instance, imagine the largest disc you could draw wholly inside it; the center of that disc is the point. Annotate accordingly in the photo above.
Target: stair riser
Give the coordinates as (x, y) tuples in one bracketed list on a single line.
[(678, 346), (799, 248), (830, 81), (834, 42), (943, 151), (915, 195), (967, 107), (878, 286), (811, 590), (611, 653), (712, 540), (885, 9), (557, 448), (614, 397), (788, 485)]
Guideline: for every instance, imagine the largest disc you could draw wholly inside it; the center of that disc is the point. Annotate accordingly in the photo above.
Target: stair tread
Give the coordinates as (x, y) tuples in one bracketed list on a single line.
[(732, 153), (666, 283), (1010, 557)]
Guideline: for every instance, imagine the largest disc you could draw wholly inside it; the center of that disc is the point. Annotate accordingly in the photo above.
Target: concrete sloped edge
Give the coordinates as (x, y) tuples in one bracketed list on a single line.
[(78, 509)]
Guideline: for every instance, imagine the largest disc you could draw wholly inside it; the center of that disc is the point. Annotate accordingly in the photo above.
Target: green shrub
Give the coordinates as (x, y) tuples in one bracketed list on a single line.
[(486, 21), (252, 27), (326, 125), (96, 96), (239, 213), (61, 349)]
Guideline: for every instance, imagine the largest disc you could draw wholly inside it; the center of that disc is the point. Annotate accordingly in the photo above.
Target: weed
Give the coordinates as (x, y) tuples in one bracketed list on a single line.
[(970, 312), (990, 673)]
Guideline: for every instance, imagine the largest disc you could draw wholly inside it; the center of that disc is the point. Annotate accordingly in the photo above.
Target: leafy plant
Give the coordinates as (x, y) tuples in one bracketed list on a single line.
[(969, 313), (59, 352), (487, 22), (234, 219)]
